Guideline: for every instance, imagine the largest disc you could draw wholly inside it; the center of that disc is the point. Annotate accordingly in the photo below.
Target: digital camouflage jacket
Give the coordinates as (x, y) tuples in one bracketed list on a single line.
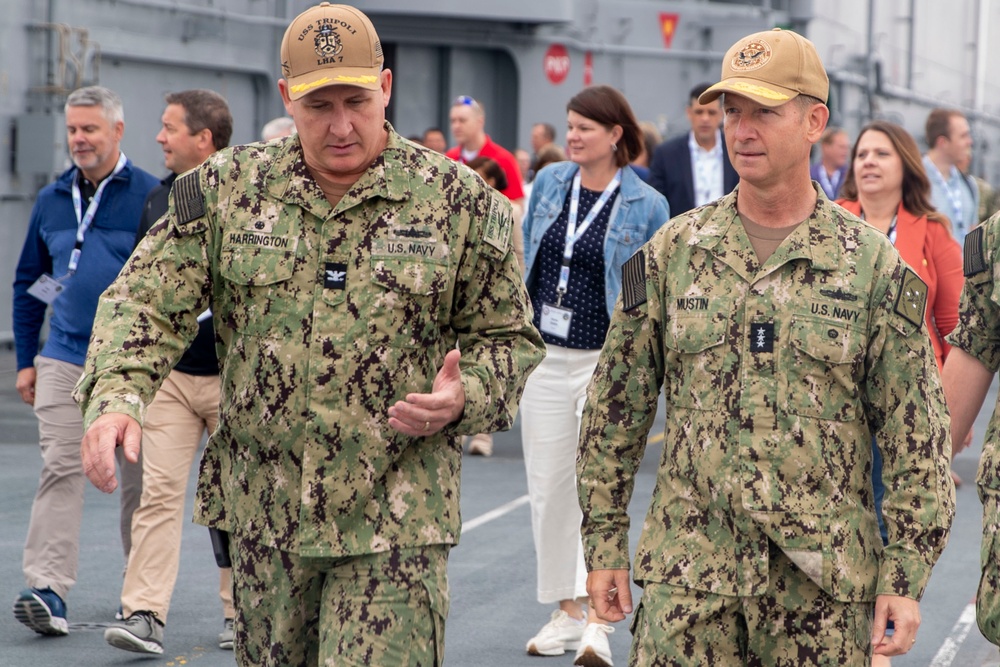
[(325, 316), (776, 378), (978, 334)]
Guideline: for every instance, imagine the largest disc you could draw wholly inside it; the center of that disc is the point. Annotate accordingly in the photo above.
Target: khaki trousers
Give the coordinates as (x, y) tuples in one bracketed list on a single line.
[(185, 407), (52, 549)]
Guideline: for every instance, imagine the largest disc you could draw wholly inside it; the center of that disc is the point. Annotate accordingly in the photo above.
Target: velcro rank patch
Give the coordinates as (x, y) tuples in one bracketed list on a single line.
[(634, 281), (912, 298), (974, 255), (188, 198), (762, 337)]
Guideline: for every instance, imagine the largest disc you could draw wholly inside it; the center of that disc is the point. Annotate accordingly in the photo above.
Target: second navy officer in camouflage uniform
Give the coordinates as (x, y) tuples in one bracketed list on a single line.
[(968, 372), (343, 265), (784, 333)]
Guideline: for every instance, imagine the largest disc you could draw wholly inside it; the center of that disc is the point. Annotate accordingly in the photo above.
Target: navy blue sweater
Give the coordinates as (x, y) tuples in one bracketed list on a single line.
[(51, 236)]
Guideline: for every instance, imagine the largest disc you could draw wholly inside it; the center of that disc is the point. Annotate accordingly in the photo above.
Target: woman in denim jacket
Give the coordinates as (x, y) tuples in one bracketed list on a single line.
[(585, 218)]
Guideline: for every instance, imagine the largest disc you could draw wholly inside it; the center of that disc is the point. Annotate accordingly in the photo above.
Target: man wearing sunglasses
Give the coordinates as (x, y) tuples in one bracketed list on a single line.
[(468, 120)]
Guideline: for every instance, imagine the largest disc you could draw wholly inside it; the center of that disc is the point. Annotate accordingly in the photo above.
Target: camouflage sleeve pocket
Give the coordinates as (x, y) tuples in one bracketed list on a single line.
[(187, 204), (497, 227)]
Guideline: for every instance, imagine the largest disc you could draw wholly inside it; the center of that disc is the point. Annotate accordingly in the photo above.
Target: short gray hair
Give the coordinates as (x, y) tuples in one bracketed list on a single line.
[(98, 96), (278, 127)]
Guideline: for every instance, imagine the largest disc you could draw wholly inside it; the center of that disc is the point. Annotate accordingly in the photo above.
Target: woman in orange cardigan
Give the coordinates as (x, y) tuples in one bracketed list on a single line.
[(887, 186)]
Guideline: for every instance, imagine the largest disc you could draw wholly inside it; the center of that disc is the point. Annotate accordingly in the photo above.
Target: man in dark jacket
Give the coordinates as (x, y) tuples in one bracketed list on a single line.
[(196, 123), (694, 169)]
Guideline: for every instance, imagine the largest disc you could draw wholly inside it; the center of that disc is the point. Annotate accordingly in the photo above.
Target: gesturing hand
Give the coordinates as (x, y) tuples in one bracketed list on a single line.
[(425, 414)]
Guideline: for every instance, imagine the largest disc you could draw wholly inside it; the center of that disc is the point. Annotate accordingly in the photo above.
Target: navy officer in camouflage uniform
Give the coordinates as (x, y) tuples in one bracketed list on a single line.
[(785, 333), (343, 266), (976, 350)]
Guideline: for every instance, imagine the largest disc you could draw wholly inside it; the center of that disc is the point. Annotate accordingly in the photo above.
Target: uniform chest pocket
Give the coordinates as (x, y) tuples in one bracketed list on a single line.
[(409, 302), (823, 370), (261, 299), (695, 351)]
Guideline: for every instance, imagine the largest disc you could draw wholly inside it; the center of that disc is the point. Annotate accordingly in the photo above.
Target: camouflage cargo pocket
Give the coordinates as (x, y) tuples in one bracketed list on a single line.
[(262, 302), (408, 302), (821, 369), (988, 595), (696, 351)]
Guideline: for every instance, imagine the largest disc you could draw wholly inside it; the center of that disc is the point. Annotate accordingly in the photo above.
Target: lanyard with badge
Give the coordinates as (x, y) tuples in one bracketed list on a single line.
[(954, 196), (555, 318), (47, 288)]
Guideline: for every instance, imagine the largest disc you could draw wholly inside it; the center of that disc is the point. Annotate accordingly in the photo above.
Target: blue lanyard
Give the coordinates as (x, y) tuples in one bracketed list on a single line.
[(830, 187), (574, 234), (85, 219)]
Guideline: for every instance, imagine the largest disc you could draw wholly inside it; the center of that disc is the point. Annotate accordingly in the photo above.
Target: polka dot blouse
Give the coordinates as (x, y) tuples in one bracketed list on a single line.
[(585, 295)]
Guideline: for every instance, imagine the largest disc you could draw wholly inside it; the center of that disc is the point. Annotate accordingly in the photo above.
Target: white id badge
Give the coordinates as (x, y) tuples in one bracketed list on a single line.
[(555, 320), (46, 289)]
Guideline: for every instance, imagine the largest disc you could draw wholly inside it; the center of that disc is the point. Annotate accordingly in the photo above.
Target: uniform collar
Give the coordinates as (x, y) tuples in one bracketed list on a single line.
[(289, 179), (722, 235)]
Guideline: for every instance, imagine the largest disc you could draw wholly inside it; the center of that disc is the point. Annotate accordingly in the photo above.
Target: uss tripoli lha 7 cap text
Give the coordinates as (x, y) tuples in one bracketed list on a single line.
[(329, 45)]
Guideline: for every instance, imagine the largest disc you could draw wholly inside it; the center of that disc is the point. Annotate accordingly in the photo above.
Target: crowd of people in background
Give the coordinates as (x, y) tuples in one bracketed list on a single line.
[(583, 208)]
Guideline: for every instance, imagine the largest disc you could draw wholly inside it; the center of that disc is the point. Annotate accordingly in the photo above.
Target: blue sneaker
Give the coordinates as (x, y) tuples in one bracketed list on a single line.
[(42, 610)]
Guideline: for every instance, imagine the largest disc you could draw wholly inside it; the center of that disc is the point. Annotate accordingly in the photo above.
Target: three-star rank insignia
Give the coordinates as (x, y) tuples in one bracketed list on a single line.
[(911, 302)]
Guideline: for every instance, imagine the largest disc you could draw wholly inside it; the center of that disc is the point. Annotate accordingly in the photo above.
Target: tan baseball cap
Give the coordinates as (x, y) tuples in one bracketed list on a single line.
[(771, 68), (330, 45)]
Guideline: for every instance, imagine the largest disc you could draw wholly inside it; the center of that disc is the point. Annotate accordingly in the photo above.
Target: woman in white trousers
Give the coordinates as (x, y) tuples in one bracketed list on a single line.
[(585, 218)]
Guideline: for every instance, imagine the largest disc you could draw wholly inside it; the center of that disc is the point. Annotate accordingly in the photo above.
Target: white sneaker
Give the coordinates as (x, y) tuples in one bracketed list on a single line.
[(562, 632), (595, 651)]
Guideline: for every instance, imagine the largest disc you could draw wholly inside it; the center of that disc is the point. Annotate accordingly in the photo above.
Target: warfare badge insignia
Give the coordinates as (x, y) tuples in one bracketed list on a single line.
[(753, 55)]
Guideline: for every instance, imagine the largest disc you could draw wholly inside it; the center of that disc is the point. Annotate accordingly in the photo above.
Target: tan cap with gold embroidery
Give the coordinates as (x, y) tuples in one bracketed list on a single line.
[(771, 68), (329, 45)]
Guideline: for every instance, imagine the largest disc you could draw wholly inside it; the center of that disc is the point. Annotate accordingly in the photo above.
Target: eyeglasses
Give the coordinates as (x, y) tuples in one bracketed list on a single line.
[(465, 100)]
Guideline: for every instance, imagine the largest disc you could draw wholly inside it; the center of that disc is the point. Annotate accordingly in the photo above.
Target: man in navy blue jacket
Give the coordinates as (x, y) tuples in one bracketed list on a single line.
[(82, 230), (694, 169)]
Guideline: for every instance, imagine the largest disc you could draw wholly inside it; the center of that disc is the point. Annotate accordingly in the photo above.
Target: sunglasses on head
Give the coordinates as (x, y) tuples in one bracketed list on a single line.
[(465, 100)]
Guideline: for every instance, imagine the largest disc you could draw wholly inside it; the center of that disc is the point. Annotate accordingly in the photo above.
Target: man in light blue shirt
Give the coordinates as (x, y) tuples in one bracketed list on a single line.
[(952, 193)]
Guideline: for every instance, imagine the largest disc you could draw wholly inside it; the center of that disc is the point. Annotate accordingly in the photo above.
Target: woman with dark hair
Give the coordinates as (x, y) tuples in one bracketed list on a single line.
[(886, 185), (585, 218)]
